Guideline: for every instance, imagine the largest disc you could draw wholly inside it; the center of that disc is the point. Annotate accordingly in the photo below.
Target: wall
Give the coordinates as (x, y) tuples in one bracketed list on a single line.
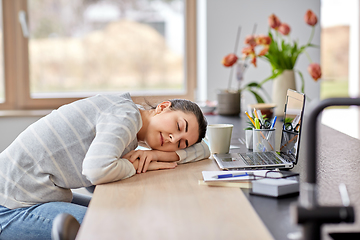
[(218, 21), (217, 26), (11, 127)]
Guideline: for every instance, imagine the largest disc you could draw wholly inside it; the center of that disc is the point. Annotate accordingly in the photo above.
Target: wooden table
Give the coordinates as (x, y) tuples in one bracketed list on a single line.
[(170, 204)]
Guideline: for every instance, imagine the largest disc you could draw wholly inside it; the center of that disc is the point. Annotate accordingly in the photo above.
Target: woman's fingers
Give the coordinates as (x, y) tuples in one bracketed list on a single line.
[(154, 165), (146, 165), (141, 163), (131, 156), (147, 161)]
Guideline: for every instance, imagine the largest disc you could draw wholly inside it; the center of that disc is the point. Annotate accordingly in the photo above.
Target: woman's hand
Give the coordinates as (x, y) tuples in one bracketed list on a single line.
[(145, 157), (155, 165)]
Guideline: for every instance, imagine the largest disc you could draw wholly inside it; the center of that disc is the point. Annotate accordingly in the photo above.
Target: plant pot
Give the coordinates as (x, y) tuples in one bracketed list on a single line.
[(280, 86), (267, 109), (249, 139), (228, 102)]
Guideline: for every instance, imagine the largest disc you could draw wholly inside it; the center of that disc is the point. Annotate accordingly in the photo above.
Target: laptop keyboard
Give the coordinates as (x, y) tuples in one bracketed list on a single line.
[(261, 158)]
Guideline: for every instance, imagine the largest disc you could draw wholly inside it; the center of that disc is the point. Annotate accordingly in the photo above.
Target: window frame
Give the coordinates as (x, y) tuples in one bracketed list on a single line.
[(16, 63)]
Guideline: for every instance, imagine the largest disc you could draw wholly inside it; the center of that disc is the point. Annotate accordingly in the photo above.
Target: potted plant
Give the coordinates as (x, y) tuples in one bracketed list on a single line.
[(282, 55), (229, 100)]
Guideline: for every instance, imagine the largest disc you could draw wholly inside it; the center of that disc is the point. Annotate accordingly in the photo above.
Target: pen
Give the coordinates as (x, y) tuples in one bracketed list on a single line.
[(231, 175), (272, 126), (252, 121), (274, 121)]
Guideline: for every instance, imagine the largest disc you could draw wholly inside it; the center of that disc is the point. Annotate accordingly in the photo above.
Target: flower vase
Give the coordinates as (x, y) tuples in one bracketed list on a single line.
[(228, 102), (281, 84)]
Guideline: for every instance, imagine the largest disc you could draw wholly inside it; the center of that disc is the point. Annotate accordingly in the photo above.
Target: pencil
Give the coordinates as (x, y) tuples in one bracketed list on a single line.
[(255, 113), (252, 121)]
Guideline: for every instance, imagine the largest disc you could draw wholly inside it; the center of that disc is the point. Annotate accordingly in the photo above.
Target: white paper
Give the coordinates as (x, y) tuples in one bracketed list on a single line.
[(210, 176)]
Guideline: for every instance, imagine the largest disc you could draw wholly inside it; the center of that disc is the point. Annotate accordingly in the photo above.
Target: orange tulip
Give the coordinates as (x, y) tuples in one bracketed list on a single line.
[(284, 29), (229, 60), (251, 40), (248, 51), (310, 18), (264, 50), (315, 71), (274, 21), (253, 60), (263, 40)]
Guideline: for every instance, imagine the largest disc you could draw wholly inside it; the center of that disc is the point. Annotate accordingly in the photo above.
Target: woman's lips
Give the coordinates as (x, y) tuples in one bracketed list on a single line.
[(161, 139)]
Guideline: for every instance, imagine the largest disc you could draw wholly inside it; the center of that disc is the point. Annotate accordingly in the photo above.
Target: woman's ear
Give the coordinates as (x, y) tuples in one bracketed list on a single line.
[(162, 106)]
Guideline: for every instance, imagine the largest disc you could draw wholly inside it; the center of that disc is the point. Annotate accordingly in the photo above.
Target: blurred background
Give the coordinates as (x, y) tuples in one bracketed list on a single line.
[(64, 50)]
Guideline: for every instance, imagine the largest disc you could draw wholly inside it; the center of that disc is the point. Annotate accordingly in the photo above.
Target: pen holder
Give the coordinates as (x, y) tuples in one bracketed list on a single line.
[(249, 139), (263, 140)]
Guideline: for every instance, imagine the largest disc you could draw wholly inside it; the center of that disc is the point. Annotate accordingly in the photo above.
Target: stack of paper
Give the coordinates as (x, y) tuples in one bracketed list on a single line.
[(275, 187)]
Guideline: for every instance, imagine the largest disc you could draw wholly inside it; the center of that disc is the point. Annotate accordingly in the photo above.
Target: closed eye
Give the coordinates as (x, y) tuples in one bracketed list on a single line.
[(178, 126)]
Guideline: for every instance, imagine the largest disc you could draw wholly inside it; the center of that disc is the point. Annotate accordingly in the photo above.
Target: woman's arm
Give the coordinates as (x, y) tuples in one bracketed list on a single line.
[(193, 153), (155, 165), (116, 129), (145, 157)]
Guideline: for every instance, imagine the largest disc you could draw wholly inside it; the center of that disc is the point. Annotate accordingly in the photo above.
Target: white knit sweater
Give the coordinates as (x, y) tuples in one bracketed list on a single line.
[(77, 145)]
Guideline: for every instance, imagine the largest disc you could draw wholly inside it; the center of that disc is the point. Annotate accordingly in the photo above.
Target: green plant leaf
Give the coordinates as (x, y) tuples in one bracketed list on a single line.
[(302, 81), (313, 45), (273, 76), (255, 85), (257, 96)]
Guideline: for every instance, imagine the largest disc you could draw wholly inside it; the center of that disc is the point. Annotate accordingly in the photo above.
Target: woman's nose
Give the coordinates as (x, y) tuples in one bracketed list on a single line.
[(173, 137)]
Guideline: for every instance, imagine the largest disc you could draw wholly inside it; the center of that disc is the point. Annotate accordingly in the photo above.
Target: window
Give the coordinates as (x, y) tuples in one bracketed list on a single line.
[(58, 51), (2, 90), (335, 45)]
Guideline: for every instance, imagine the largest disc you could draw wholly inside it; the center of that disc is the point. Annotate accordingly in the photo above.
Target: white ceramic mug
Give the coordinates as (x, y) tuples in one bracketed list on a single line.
[(219, 136)]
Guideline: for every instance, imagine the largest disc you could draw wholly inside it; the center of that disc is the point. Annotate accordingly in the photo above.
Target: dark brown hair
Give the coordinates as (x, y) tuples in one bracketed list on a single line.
[(188, 106)]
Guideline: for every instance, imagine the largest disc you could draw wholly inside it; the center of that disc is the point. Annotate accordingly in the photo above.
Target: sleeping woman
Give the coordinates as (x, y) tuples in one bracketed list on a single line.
[(89, 142)]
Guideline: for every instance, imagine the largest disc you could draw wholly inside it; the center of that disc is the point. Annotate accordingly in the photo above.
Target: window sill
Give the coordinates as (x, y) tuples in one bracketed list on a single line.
[(24, 113)]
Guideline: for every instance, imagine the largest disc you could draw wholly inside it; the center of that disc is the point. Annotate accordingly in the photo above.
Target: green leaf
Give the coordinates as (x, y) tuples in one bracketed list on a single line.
[(273, 76), (249, 87), (313, 45), (302, 81), (253, 84), (257, 96)]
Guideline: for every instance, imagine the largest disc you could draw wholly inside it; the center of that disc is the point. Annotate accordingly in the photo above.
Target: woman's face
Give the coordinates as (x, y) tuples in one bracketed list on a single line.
[(170, 130)]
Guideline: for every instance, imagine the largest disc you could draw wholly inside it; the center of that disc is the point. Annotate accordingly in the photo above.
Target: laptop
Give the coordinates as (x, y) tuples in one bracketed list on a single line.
[(287, 153)]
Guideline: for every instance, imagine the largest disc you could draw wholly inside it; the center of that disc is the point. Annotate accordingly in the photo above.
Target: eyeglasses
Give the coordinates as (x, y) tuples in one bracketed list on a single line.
[(274, 174), (266, 124), (289, 127)]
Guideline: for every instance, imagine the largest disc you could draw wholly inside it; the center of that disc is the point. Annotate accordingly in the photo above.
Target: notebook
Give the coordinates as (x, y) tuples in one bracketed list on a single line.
[(288, 151)]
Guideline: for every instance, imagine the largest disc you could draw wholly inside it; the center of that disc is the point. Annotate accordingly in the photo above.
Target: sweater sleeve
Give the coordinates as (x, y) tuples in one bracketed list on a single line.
[(194, 153), (114, 132)]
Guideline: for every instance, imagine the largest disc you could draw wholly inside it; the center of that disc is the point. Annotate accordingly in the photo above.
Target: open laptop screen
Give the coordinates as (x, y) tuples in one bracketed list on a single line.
[(293, 114)]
